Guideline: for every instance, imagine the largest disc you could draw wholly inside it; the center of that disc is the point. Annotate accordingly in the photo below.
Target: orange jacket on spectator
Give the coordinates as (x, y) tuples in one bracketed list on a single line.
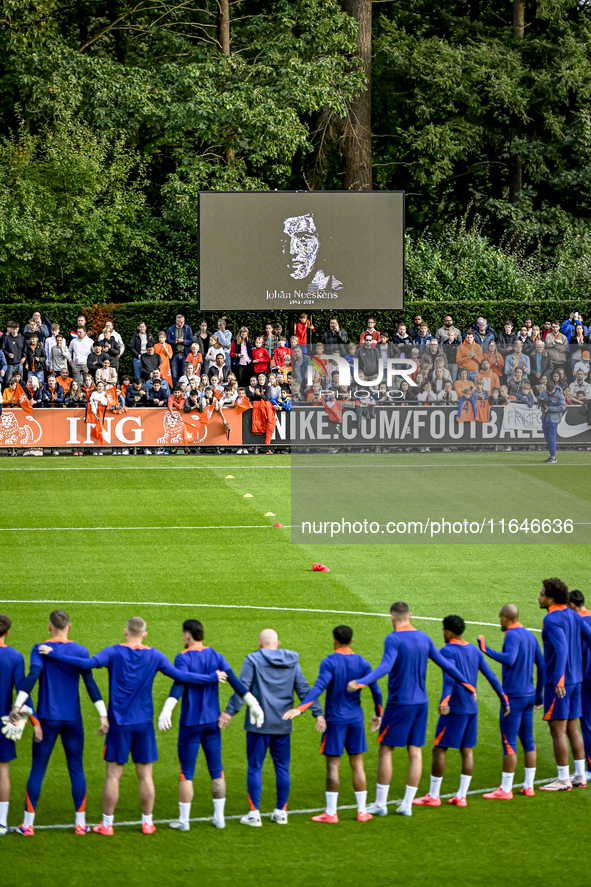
[(492, 377), (279, 354), (464, 361), (302, 328), (196, 360), (165, 352), (176, 404), (497, 364)]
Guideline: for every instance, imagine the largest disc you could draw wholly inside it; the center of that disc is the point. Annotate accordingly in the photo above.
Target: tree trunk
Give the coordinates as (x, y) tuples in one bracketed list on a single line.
[(516, 171), (357, 124), (224, 26)]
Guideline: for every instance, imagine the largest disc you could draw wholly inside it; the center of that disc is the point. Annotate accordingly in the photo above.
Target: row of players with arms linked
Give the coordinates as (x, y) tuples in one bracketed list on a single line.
[(267, 682)]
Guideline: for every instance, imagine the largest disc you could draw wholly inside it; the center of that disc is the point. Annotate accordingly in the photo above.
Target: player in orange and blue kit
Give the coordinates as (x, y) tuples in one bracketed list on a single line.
[(563, 633), (577, 603), (132, 668), (344, 720), (521, 652), (12, 675), (60, 717), (406, 654), (199, 722), (457, 726)]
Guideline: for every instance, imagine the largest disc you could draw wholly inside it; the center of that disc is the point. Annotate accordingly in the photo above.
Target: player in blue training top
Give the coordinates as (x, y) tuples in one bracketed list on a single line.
[(198, 725), (59, 713), (132, 669), (457, 726), (562, 633), (577, 603), (406, 654), (521, 652), (344, 720), (12, 675)]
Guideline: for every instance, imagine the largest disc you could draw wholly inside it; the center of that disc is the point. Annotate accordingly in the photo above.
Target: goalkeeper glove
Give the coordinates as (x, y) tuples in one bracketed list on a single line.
[(164, 721), (257, 715), (13, 731)]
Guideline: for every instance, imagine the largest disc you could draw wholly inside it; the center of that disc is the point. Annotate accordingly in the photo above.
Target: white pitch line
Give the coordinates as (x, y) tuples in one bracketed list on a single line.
[(232, 607), (302, 467), (398, 801)]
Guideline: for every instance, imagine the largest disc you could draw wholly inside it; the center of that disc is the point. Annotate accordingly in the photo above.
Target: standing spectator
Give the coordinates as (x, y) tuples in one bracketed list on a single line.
[(176, 401), (271, 675), (75, 398), (50, 341), (303, 329), (80, 348), (3, 367), (40, 327), (414, 331), (157, 376), (106, 373), (280, 352), (580, 390), (423, 337), (165, 353), (53, 394), (14, 346), (443, 332), (386, 350), (403, 340), (448, 396), (219, 369), (139, 342), (9, 396), (469, 356), (515, 381), (556, 349), (180, 338), (241, 355), (483, 334), (270, 339), (488, 376), (215, 348), (261, 357), (111, 334), (569, 326), (225, 339), (202, 338), (506, 340), (524, 336), (34, 391), (335, 336), (429, 355), (149, 361), (64, 380), (495, 359), (553, 405), (58, 355), (462, 383), (517, 359), (80, 321), (371, 331), (579, 342), (449, 347), (195, 359), (94, 361), (36, 358), (540, 362)]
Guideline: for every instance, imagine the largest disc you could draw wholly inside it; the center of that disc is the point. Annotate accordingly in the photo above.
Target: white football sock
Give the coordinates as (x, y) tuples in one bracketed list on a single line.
[(29, 818), (361, 798), (580, 767), (530, 775), (464, 786), (146, 819), (564, 772), (382, 794), (409, 795), (107, 820), (507, 782), (435, 787), (331, 802), (80, 817), (218, 808), (185, 811), (3, 812)]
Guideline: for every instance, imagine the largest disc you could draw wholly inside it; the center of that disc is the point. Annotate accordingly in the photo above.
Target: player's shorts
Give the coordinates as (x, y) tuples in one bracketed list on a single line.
[(567, 707), (456, 731), (519, 723), (340, 737), (404, 725), (139, 740), (7, 749), (191, 739)]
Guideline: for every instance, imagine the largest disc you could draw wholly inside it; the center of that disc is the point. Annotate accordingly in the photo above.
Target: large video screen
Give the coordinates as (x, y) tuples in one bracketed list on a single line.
[(333, 250)]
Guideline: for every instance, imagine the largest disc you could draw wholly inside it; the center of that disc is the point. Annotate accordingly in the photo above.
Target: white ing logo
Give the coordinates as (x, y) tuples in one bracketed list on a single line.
[(395, 367), (128, 430)]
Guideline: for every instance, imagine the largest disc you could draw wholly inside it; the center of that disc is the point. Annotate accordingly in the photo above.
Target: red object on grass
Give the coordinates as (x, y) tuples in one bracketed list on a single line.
[(277, 525), (320, 568)]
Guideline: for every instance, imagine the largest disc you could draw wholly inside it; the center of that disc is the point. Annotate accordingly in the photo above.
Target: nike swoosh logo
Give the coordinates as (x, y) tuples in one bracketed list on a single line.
[(566, 430)]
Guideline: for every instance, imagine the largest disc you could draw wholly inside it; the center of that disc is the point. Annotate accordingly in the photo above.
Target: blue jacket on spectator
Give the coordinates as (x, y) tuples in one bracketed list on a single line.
[(187, 337), (568, 327), (556, 406), (3, 363), (59, 396)]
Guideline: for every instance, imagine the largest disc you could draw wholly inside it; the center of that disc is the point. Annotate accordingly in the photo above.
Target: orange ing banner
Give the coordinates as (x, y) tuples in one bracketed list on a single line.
[(133, 428)]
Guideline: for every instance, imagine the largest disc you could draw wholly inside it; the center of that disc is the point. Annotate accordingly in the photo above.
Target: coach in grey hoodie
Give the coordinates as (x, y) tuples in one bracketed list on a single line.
[(272, 675)]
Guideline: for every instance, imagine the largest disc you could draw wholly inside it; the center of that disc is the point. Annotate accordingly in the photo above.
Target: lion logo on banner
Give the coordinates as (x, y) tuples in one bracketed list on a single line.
[(173, 426), (14, 435)]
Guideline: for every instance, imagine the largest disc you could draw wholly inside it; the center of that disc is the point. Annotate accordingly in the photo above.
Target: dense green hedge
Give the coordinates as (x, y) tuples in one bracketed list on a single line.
[(160, 315)]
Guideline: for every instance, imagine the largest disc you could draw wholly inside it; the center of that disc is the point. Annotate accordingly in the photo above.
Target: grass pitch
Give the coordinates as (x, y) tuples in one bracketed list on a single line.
[(63, 543)]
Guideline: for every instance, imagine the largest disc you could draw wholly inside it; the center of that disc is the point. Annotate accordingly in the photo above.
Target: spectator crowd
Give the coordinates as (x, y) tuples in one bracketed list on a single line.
[(197, 370)]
